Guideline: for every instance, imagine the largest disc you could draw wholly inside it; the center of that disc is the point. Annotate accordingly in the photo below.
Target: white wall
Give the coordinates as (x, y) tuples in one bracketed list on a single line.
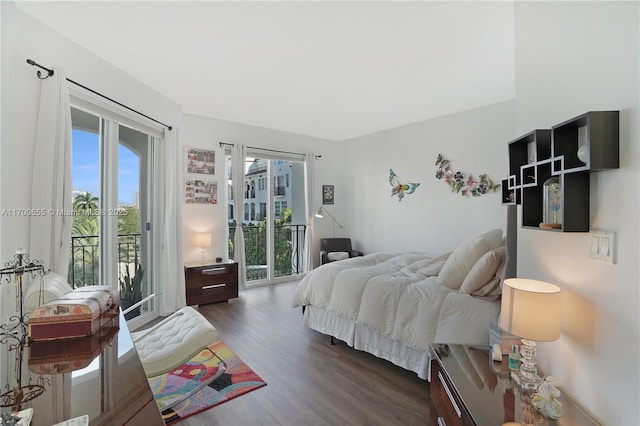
[(432, 219), (574, 57), (206, 133)]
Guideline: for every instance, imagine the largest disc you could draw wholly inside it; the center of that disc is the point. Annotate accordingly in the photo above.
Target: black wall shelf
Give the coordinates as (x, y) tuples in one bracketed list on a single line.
[(543, 153)]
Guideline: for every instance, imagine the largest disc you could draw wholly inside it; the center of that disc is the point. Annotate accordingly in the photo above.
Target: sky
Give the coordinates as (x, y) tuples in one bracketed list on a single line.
[(86, 168)]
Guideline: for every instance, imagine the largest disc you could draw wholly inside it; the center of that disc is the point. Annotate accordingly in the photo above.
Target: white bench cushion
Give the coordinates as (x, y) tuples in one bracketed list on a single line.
[(173, 341)]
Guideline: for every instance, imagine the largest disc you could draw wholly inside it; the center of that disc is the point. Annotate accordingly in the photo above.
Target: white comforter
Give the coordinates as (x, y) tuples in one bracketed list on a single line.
[(395, 295)]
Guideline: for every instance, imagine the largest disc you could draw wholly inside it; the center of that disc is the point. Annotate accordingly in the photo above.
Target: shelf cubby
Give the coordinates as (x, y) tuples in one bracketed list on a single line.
[(599, 130)]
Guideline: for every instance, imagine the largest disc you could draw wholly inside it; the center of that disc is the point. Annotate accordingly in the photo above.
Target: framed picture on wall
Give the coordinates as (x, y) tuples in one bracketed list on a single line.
[(201, 161), (199, 191), (327, 194)]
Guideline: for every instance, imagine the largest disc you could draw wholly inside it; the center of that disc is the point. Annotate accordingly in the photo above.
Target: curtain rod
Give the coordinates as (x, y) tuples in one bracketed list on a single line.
[(270, 150), (50, 73)]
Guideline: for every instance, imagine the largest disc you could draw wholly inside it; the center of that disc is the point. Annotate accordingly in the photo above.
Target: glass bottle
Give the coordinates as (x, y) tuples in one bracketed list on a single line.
[(514, 358)]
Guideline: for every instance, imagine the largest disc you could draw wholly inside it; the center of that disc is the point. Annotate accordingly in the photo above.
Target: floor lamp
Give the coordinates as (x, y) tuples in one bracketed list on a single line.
[(320, 215)]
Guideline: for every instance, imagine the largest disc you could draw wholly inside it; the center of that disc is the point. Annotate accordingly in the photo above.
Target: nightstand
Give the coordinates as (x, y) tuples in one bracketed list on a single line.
[(210, 282), (468, 388)]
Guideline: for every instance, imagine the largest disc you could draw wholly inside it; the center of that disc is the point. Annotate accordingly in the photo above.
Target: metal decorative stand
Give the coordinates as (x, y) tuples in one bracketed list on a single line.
[(14, 334)]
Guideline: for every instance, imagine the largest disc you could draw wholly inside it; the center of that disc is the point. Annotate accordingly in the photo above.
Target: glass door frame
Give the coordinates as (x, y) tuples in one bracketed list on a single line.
[(111, 118), (270, 158)]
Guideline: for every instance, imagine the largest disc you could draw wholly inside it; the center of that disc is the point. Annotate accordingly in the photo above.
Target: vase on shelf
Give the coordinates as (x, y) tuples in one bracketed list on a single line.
[(583, 153), (552, 204), (583, 145)]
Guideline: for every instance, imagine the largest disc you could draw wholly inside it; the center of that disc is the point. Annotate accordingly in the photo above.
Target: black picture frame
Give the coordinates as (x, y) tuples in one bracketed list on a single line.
[(328, 194)]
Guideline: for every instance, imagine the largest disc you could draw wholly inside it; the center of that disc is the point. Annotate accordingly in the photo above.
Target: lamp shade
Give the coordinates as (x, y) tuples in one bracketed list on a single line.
[(531, 309), (202, 239)]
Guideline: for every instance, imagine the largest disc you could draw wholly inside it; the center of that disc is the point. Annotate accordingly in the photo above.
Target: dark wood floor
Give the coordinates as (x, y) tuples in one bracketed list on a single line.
[(309, 381)]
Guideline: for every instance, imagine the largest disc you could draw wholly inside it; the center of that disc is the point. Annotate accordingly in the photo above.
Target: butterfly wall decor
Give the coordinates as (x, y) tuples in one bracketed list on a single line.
[(400, 189), (461, 184)]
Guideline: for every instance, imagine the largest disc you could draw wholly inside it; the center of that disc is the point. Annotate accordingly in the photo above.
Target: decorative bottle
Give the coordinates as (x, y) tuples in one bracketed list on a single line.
[(514, 358)]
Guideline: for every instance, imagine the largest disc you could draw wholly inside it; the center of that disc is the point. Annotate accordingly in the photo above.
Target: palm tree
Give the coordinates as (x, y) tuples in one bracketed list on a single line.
[(84, 251), (85, 201)]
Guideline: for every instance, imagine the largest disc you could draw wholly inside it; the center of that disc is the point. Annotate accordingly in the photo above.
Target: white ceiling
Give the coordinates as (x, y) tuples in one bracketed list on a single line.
[(334, 70)]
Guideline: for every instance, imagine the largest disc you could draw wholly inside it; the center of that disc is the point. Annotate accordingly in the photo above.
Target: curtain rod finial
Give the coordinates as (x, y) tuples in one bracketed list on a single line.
[(39, 73)]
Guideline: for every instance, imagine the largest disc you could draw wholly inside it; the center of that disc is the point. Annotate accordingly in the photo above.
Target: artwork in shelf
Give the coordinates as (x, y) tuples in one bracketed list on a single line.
[(201, 161), (400, 189), (461, 183), (199, 191), (327, 194), (551, 204)]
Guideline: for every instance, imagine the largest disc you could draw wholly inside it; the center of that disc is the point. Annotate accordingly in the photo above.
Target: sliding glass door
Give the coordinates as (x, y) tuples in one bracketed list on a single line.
[(273, 217)]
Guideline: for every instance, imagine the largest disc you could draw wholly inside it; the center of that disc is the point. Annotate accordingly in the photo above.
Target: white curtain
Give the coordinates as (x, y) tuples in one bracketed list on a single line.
[(171, 281), (237, 166), (51, 197), (309, 173)]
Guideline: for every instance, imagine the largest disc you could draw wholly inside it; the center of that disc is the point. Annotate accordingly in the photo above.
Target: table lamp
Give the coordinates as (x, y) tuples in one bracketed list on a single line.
[(202, 239), (531, 310)]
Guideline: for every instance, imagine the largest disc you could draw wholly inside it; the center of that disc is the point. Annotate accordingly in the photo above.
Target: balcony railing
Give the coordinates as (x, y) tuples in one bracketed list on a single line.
[(289, 253), (289, 249), (85, 257)]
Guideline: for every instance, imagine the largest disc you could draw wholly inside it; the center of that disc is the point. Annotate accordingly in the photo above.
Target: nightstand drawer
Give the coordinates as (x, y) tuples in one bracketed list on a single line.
[(212, 272), (205, 293)]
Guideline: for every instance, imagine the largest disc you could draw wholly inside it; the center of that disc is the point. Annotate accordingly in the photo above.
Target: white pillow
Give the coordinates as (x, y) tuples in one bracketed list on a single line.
[(484, 270), (465, 256), (337, 255)]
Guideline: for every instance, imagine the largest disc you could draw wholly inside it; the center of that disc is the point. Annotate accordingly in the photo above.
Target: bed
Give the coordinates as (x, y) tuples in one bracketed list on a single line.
[(394, 305)]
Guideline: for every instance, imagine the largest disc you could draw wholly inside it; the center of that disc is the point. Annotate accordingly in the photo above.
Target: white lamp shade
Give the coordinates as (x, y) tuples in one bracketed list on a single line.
[(531, 309), (202, 239)]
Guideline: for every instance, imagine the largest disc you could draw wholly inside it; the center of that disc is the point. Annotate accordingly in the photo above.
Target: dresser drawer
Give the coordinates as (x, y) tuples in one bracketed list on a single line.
[(446, 406), (211, 283), (210, 273)]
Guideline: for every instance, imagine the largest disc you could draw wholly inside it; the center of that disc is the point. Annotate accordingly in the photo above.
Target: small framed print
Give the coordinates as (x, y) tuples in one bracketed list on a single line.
[(327, 194), (201, 161), (198, 191)]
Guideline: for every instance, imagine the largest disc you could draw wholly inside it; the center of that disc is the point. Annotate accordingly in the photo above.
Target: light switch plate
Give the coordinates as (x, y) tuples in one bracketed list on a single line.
[(602, 246)]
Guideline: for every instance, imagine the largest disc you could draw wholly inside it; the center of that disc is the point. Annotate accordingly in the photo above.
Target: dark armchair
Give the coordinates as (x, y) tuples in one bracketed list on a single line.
[(335, 245)]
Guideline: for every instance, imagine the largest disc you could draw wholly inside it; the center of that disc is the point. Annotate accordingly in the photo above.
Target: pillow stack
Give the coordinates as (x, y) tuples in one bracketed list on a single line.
[(484, 279), (476, 265)]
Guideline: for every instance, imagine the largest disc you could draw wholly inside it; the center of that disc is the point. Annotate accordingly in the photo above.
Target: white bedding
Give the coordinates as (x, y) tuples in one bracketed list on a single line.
[(395, 296)]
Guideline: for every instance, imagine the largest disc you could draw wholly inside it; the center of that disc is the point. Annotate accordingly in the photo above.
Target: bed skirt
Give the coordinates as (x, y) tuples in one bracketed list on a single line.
[(363, 338)]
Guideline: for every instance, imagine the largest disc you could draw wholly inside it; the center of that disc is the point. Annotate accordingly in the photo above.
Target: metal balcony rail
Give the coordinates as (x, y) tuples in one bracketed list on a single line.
[(289, 249), (289, 253), (85, 257)]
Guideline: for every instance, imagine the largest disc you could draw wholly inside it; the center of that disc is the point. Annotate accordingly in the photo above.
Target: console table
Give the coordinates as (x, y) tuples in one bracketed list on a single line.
[(468, 388), (111, 390)]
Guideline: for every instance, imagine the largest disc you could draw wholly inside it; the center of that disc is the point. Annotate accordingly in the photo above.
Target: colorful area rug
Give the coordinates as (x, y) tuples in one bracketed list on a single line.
[(237, 380)]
